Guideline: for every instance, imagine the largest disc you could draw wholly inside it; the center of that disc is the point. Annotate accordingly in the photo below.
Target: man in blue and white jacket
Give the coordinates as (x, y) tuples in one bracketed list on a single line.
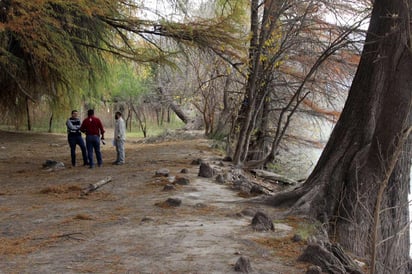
[(74, 138)]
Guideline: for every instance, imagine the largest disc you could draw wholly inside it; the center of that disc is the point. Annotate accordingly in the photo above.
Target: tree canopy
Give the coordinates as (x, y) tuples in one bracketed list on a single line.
[(52, 49)]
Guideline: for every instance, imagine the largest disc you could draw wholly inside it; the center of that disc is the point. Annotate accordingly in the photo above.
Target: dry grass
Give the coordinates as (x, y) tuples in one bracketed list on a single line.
[(27, 244), (5, 209), (16, 246), (285, 249), (61, 189)]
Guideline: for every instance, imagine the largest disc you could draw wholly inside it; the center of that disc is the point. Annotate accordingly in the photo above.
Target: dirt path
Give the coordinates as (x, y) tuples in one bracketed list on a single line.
[(46, 227)]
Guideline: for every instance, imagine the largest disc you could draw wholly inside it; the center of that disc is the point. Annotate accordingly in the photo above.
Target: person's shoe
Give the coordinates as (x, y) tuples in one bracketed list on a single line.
[(119, 163), (115, 163)]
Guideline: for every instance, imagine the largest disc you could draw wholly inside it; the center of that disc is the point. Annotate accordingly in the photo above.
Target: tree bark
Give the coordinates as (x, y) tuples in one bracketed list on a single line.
[(343, 188)]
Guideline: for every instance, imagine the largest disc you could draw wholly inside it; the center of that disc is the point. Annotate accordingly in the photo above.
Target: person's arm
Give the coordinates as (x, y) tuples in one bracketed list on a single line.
[(116, 129), (70, 125), (83, 127), (122, 130), (101, 129)]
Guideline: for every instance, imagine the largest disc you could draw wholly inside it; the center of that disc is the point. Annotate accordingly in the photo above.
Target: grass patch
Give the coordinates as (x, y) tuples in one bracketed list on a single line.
[(301, 226), (286, 249), (153, 129), (61, 189)]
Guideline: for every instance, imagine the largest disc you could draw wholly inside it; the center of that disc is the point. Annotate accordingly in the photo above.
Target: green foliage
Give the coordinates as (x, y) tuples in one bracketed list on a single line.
[(128, 81), (42, 52), (307, 229), (57, 51), (154, 130), (236, 9)]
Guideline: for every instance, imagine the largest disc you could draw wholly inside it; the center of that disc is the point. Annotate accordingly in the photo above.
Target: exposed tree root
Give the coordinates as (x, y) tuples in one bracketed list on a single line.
[(330, 257)]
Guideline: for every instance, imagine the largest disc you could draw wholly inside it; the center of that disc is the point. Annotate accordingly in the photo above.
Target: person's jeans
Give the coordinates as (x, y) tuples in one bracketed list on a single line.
[(73, 141), (93, 143), (120, 151)]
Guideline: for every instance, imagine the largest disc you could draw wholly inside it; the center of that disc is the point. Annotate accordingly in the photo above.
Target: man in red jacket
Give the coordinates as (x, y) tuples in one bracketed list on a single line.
[(93, 128)]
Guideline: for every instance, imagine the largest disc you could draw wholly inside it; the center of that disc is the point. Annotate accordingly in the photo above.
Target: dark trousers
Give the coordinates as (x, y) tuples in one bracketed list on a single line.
[(93, 143), (73, 141)]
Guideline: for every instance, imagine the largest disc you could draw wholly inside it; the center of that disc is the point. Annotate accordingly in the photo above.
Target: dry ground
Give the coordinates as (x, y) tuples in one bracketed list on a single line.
[(47, 227)]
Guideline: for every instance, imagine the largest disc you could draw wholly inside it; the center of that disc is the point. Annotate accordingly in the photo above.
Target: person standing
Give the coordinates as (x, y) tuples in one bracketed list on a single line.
[(74, 137), (93, 128), (119, 138)]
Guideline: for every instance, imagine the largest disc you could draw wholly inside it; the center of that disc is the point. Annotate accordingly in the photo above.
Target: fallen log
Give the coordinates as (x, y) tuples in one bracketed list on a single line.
[(93, 187), (271, 176)]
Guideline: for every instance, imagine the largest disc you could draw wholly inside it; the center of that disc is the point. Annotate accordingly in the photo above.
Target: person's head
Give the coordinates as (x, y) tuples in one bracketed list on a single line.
[(90, 112), (117, 115), (74, 113)]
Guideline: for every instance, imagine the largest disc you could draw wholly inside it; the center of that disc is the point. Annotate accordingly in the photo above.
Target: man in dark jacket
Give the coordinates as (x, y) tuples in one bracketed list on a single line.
[(93, 128), (74, 138)]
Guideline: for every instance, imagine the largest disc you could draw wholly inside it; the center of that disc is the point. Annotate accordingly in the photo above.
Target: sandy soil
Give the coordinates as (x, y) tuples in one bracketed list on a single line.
[(46, 226)]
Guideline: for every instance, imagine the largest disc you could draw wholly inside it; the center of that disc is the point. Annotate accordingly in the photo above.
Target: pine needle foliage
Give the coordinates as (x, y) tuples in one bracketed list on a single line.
[(55, 50), (40, 54)]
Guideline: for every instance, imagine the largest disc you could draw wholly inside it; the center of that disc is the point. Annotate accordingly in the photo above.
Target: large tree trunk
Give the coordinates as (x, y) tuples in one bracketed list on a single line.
[(344, 186)]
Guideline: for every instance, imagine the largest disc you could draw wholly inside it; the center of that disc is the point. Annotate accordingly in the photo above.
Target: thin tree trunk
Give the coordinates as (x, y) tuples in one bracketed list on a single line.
[(51, 122), (28, 114), (248, 104)]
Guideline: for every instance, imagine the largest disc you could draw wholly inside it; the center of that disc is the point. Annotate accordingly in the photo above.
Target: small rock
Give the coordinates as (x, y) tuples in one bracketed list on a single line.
[(227, 159), (185, 170), (261, 222), (182, 181), (169, 187), (249, 212), (196, 162), (173, 202), (53, 164), (243, 265), (206, 171), (314, 269), (242, 186), (220, 179), (146, 219), (296, 238), (163, 172), (256, 189)]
